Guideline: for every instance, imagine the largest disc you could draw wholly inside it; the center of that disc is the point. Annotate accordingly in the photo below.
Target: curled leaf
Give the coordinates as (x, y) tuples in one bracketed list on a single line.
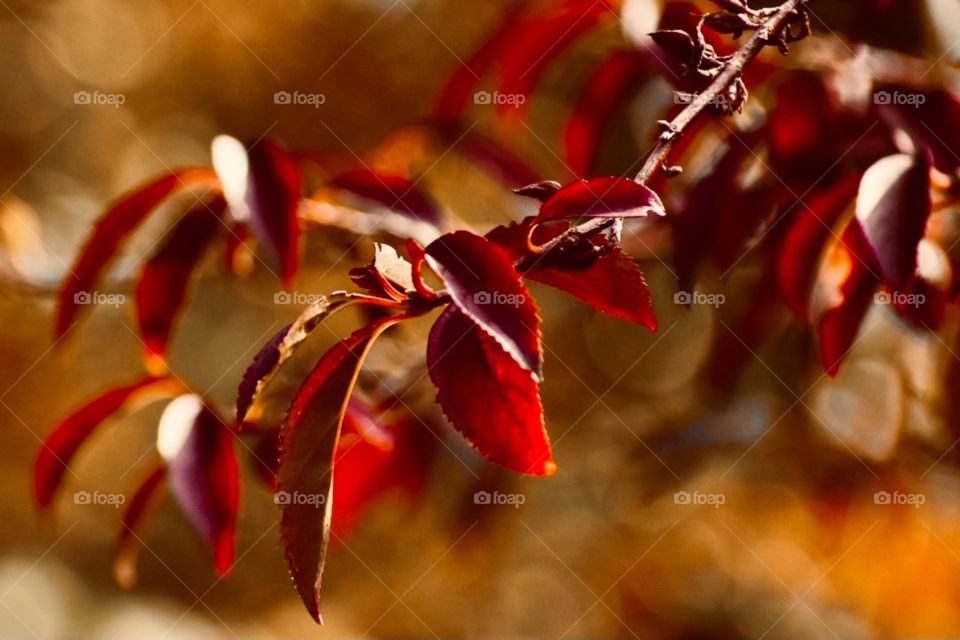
[(163, 283), (481, 280), (487, 396), (110, 230), (893, 205), (63, 442), (262, 186), (202, 468)]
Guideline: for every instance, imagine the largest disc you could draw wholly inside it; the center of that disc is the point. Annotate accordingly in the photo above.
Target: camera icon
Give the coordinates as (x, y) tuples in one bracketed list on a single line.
[(682, 297), (482, 297), (882, 97), (282, 97), (82, 97), (882, 297), (281, 498), (282, 297), (482, 497), (882, 497), (482, 97), (681, 497), (82, 297), (82, 497)]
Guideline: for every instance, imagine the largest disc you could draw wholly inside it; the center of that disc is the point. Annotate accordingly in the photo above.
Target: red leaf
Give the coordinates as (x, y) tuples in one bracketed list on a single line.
[(310, 433), (284, 343), (202, 469), (163, 283), (603, 197), (110, 230), (392, 191), (609, 84), (541, 40), (457, 93), (804, 241), (481, 279), (929, 117), (488, 397), (127, 547), (63, 442), (262, 185), (839, 325), (613, 284), (893, 205)]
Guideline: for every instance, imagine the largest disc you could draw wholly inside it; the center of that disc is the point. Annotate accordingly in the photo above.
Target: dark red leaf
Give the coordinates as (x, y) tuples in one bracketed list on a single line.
[(458, 91), (111, 229), (262, 185), (488, 397), (127, 547), (482, 281), (163, 283), (838, 326), (677, 43), (610, 83), (893, 205), (284, 343), (613, 284), (541, 40), (392, 191), (202, 470), (63, 442), (310, 433), (603, 197), (929, 117), (804, 242)]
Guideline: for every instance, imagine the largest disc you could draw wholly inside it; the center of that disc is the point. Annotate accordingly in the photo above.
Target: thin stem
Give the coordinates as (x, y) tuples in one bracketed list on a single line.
[(672, 131)]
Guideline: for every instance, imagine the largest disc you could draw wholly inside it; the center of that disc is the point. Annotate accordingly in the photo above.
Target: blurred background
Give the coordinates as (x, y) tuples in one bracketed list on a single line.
[(682, 508)]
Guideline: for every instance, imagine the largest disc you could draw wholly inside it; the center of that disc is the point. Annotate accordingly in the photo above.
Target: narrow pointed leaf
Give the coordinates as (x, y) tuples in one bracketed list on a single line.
[(483, 282), (309, 437), (63, 442), (110, 230), (131, 525), (163, 283), (603, 197), (490, 399), (203, 475)]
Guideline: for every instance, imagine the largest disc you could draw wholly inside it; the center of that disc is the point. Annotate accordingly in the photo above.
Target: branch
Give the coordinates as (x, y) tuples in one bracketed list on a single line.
[(771, 31)]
